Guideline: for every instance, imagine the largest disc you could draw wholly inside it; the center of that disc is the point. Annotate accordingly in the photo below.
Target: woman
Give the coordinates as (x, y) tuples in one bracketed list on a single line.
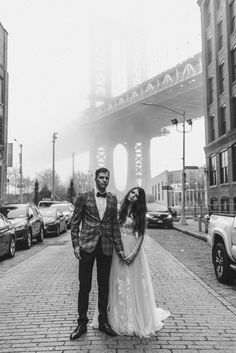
[(131, 307)]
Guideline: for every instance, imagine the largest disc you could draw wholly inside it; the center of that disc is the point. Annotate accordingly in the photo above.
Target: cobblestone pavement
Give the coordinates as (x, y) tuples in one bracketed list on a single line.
[(38, 303), (195, 254)]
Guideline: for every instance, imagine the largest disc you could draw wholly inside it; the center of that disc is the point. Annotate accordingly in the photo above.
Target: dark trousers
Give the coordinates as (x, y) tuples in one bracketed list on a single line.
[(85, 279)]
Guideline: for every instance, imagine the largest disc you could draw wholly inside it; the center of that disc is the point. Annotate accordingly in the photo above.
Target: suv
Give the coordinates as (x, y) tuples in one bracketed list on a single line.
[(26, 220)]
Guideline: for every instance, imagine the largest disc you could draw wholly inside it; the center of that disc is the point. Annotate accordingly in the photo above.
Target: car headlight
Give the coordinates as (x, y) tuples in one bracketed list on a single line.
[(169, 216), (20, 227)]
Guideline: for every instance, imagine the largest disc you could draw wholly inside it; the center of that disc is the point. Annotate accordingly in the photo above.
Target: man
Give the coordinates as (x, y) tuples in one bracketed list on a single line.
[(94, 229)]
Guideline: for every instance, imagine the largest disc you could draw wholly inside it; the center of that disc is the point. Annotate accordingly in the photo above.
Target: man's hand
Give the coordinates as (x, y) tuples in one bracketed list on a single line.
[(76, 252)]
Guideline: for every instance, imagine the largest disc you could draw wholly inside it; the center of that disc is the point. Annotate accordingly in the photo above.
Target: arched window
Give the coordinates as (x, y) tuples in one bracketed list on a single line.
[(213, 205)]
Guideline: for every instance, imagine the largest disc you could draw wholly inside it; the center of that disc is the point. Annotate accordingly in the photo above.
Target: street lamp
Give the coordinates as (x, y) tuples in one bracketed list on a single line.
[(54, 137), (20, 171), (183, 131)]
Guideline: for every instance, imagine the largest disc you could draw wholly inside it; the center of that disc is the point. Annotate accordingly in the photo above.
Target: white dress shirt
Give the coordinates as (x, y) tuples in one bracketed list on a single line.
[(101, 203)]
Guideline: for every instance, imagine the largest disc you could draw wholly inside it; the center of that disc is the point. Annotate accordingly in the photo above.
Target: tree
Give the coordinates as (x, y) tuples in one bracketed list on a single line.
[(44, 193), (71, 191), (36, 192), (83, 182), (45, 178)]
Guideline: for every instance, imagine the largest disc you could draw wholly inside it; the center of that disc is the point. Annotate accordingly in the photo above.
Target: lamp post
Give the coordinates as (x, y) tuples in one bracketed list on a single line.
[(73, 165), (54, 137), (20, 171), (183, 131)]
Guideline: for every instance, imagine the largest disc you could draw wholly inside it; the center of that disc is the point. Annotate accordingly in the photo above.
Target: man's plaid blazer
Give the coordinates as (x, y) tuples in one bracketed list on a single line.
[(87, 227)]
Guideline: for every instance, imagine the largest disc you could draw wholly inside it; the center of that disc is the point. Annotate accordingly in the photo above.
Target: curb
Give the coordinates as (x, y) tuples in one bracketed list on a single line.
[(192, 234)]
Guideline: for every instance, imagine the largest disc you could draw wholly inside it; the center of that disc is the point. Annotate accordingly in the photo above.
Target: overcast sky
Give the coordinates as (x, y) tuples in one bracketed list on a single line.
[(48, 65)]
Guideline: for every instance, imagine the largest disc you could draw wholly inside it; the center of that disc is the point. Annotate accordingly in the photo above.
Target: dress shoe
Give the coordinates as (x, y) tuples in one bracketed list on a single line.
[(78, 331), (105, 327)]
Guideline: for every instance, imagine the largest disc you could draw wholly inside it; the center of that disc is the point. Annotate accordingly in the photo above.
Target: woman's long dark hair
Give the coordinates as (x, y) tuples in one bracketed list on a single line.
[(138, 211)]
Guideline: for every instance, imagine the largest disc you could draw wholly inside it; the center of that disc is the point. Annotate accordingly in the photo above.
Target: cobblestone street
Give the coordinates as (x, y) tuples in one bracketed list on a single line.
[(39, 308)]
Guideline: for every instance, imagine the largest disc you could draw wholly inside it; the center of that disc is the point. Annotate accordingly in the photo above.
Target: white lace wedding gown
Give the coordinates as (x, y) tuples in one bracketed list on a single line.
[(132, 309)]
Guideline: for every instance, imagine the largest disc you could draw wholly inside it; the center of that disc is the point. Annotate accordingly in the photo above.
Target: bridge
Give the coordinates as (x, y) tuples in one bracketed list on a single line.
[(125, 120)]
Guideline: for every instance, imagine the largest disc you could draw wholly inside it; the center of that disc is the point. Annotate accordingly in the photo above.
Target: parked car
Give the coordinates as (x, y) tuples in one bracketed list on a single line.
[(221, 237), (7, 238), (67, 208), (158, 216), (27, 222), (54, 220)]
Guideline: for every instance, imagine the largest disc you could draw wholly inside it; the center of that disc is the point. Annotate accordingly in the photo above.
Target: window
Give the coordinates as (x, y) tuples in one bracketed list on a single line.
[(162, 191), (224, 167), (233, 63), (212, 128), (210, 87), (233, 111), (155, 192), (234, 161), (222, 120), (159, 192), (220, 35), (209, 50), (225, 204), (213, 205), (212, 167), (234, 201), (232, 16), (221, 78)]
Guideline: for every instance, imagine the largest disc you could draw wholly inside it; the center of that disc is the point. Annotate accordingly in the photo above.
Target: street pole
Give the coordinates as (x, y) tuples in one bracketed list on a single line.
[(183, 131), (73, 165), (183, 218), (20, 170), (54, 137)]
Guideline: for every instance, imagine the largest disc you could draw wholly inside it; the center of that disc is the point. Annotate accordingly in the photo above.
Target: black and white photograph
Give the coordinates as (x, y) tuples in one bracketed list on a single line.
[(118, 176)]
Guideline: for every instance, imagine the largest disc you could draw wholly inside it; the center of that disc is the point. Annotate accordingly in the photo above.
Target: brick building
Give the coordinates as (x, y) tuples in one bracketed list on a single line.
[(167, 189), (3, 110), (218, 18)]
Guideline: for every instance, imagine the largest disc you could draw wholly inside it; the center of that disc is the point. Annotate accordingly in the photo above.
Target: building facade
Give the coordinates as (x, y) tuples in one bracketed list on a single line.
[(3, 111), (167, 190), (218, 21)]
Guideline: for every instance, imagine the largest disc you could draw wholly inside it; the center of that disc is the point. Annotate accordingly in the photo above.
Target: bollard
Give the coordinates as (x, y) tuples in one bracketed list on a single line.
[(206, 221), (199, 223)]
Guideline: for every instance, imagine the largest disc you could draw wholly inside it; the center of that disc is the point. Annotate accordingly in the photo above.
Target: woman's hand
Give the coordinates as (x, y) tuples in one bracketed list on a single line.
[(129, 259)]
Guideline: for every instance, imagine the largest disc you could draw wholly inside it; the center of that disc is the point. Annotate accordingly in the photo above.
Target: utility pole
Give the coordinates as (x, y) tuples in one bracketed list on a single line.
[(73, 165), (54, 137), (20, 171), (183, 131)]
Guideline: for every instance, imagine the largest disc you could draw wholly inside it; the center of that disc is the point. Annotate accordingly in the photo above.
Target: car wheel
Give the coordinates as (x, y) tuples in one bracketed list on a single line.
[(221, 262), (28, 241), (40, 236), (12, 248), (58, 232)]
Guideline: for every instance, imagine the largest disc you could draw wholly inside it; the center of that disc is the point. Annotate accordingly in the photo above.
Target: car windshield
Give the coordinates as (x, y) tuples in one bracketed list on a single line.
[(11, 212), (48, 212), (63, 207), (155, 207)]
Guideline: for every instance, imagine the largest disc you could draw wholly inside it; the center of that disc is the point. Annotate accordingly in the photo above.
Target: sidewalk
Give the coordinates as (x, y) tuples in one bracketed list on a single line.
[(38, 308), (191, 228)]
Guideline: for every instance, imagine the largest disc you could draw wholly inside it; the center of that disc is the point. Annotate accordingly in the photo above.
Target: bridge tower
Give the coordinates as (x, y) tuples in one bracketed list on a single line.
[(104, 36)]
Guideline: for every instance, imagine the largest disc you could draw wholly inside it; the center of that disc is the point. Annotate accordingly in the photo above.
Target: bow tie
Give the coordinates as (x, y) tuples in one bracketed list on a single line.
[(101, 195)]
